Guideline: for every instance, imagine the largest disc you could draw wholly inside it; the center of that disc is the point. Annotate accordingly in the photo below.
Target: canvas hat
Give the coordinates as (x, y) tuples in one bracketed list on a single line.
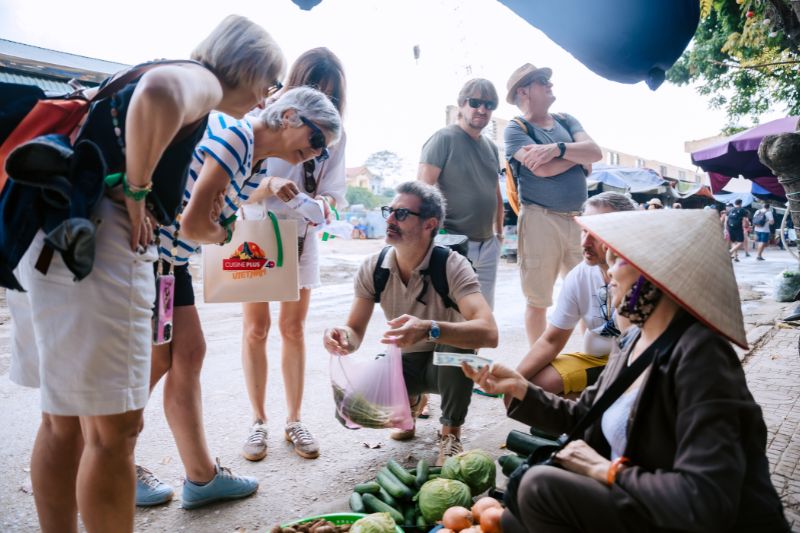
[(522, 76), (655, 201), (682, 252)]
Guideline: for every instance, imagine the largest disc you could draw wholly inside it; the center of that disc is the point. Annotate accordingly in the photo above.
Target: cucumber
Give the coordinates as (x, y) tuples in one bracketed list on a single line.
[(386, 498), (376, 506), (409, 516), (509, 463), (401, 473), (422, 473), (434, 476), (369, 487), (421, 523), (435, 470), (357, 504), (393, 486)]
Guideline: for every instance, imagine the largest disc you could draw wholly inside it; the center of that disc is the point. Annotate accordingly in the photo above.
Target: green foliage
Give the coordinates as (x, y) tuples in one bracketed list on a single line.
[(384, 163), (360, 195), (747, 65)]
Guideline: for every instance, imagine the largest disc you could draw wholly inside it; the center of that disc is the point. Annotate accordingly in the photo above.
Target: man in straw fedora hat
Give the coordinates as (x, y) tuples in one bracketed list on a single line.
[(550, 156), (674, 440)]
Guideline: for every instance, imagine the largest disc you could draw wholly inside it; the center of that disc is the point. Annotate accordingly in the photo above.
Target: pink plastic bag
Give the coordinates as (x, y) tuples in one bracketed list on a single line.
[(370, 392)]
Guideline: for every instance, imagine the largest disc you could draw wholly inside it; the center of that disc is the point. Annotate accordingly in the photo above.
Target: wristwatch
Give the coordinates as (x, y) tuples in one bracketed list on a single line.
[(561, 149), (434, 332)]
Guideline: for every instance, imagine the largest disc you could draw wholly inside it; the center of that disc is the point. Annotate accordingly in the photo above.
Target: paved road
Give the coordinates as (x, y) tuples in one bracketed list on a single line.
[(292, 487)]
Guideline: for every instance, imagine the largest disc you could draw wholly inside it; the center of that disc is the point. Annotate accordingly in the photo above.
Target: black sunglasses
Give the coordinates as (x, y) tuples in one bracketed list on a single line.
[(317, 139), (475, 103), (308, 174), (400, 213)]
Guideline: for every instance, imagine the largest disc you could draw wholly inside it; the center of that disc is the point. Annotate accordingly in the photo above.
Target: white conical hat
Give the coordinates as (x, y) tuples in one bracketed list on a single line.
[(684, 254)]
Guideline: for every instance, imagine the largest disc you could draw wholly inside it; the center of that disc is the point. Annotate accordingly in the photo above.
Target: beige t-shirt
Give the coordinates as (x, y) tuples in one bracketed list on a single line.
[(399, 299)]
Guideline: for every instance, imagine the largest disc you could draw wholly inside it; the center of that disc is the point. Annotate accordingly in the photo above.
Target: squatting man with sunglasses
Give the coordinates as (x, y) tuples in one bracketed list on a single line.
[(464, 165), (418, 319), (584, 296), (552, 158)]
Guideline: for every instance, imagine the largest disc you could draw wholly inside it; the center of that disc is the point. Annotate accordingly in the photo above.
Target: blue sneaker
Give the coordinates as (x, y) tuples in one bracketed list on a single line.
[(224, 486), (150, 490)]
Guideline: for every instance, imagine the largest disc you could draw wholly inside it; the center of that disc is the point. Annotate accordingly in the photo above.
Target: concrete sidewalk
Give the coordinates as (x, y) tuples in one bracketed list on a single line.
[(773, 375)]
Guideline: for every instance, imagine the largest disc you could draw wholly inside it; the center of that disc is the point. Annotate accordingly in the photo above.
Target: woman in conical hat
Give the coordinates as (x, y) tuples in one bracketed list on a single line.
[(682, 445)]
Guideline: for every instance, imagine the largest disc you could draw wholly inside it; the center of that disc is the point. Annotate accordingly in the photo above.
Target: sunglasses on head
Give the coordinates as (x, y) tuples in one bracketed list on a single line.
[(316, 139), (475, 103), (400, 213), (272, 89)]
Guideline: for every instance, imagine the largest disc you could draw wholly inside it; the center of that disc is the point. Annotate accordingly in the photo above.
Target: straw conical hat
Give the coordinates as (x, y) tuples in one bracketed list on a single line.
[(683, 252)]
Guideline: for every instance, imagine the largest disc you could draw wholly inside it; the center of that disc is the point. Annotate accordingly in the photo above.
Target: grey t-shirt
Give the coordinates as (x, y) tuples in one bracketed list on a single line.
[(563, 192), (468, 180)]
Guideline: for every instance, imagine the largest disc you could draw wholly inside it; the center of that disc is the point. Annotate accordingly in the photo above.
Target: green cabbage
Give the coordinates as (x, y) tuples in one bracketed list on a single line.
[(374, 523), (438, 495), (476, 468)]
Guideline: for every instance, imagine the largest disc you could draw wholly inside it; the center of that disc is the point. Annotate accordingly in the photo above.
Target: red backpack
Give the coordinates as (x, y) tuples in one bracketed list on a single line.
[(64, 114)]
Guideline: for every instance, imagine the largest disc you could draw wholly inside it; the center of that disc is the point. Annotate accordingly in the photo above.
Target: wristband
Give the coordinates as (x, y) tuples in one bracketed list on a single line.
[(228, 236), (561, 149), (614, 468), (134, 192)]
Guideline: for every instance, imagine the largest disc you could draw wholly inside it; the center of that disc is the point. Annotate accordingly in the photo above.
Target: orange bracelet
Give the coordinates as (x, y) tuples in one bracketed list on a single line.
[(614, 468)]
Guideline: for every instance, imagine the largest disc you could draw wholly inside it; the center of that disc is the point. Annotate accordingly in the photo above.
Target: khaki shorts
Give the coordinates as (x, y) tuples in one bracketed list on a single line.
[(578, 370), (549, 245)]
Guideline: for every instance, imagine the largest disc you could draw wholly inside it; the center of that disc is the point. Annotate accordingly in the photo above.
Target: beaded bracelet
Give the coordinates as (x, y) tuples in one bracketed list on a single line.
[(135, 192)]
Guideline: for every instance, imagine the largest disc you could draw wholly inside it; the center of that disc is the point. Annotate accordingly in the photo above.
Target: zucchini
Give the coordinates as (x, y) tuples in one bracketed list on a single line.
[(386, 498), (435, 470), (509, 463), (422, 473), (357, 504), (401, 473), (376, 506), (434, 476), (393, 486), (369, 487), (421, 523)]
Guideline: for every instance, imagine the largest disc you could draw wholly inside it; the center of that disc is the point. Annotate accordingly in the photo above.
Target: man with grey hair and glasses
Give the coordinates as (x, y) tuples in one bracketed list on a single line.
[(583, 296), (420, 319), (465, 166), (549, 154)]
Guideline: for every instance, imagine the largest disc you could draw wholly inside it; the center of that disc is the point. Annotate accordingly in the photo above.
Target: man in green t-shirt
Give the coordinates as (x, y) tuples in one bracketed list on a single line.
[(465, 166)]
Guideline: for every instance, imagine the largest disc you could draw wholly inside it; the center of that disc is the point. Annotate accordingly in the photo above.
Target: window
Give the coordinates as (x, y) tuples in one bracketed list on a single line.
[(682, 175), (613, 158), (663, 170), (639, 163)]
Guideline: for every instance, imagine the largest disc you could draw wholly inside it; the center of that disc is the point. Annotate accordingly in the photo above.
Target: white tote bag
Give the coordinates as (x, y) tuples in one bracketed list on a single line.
[(258, 265)]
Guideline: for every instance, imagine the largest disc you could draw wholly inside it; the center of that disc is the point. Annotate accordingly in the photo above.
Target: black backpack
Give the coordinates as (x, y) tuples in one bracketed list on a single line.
[(436, 271), (735, 217)]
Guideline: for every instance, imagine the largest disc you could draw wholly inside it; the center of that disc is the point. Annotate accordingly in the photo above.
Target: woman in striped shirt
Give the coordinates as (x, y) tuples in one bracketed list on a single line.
[(226, 168)]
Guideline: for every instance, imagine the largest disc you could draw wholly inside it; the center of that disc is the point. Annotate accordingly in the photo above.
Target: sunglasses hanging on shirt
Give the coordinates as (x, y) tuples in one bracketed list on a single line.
[(310, 182)]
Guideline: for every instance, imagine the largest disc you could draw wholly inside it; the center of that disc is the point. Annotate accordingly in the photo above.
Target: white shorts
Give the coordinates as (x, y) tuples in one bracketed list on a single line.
[(86, 344)]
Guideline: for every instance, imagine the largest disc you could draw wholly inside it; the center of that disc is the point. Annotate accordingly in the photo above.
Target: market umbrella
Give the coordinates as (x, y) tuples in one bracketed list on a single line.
[(634, 180), (621, 40), (738, 155)]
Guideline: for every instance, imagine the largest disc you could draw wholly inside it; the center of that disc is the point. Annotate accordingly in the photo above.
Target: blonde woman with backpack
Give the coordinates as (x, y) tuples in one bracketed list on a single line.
[(87, 344)]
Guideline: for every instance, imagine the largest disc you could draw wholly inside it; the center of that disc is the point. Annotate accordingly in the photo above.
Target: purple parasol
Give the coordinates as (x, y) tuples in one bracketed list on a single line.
[(738, 155)]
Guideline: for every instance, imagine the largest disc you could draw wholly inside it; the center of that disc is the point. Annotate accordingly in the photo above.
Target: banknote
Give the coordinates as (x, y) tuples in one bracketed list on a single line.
[(455, 359)]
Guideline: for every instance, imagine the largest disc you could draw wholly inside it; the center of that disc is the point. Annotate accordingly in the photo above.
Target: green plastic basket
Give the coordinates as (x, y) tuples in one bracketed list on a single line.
[(337, 519)]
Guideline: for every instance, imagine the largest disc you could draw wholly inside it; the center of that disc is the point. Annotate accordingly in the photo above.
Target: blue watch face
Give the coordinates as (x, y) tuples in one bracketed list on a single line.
[(435, 331)]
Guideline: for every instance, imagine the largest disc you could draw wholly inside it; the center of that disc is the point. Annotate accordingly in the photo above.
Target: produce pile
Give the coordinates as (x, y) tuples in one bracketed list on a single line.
[(419, 497), (373, 523), (358, 409)]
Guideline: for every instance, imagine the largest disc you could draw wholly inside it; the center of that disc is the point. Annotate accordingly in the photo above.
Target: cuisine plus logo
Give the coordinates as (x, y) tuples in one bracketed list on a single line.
[(248, 256)]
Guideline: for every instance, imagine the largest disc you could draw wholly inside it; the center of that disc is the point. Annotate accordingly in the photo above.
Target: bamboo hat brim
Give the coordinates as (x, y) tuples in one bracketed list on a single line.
[(684, 254)]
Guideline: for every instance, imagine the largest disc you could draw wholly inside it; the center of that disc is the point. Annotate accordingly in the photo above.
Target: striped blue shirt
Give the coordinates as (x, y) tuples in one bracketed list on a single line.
[(230, 143)]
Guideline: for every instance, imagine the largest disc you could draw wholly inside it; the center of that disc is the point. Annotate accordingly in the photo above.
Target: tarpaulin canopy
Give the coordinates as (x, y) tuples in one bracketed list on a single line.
[(731, 197), (622, 40), (634, 180), (738, 155)]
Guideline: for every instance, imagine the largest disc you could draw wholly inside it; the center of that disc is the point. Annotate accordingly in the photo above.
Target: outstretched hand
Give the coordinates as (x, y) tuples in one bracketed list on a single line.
[(498, 379), (406, 330), (337, 341)]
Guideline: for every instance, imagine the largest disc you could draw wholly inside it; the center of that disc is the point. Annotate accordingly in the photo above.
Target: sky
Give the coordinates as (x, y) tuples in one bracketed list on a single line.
[(394, 101)]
